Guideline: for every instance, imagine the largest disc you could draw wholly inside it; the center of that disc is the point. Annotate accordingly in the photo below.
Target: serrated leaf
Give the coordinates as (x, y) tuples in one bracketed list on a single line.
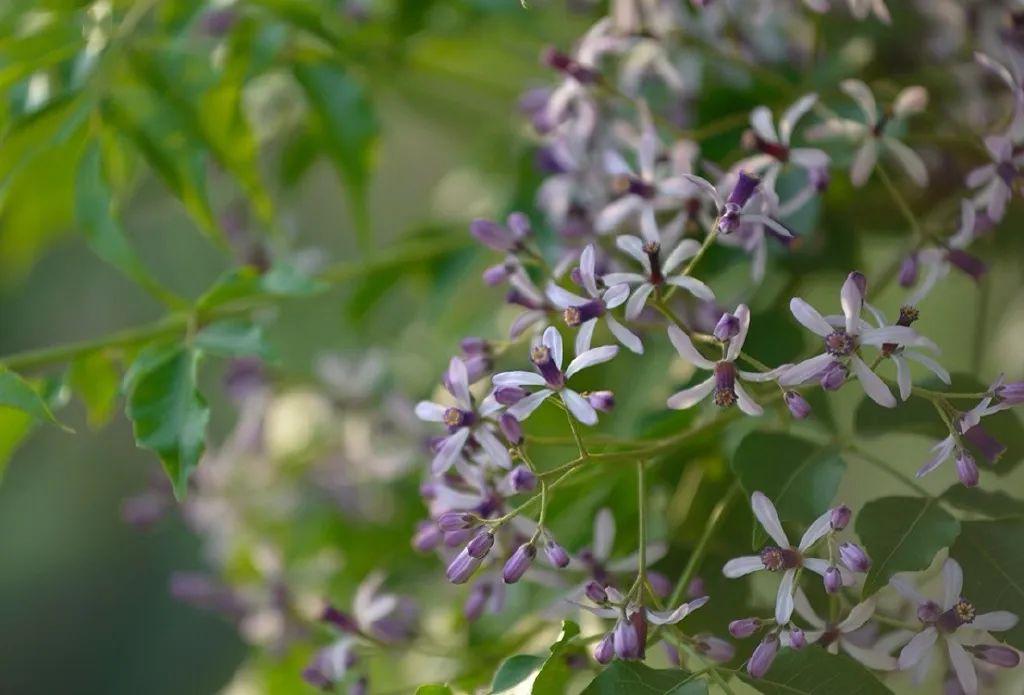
[(989, 552), (629, 677), (514, 670), (168, 414), (232, 338), (800, 477), (902, 534), (554, 675), (94, 378), (995, 504), (17, 393), (349, 128), (813, 671)]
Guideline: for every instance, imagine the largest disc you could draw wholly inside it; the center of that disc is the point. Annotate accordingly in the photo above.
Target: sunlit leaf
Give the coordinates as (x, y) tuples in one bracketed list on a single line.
[(95, 379), (989, 552), (514, 670)]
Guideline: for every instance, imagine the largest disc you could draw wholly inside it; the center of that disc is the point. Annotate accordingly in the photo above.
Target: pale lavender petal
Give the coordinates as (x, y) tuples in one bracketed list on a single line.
[(552, 339), (517, 379), (684, 346), (917, 647), (736, 342), (740, 566), (579, 407), (637, 302), (563, 298), (910, 161), (522, 410), (686, 249), (996, 621), (765, 512), (962, 666), (430, 412), (784, 599), (692, 285), (761, 122), (864, 162), (458, 379), (493, 446), (873, 386), (587, 270), (593, 356), (809, 317), (613, 214), (804, 371), (449, 451), (747, 404), (584, 336), (604, 534), (687, 398), (616, 294), (634, 246), (902, 376), (862, 96), (790, 117), (706, 187), (624, 335), (872, 658), (815, 531), (941, 452), (858, 615)]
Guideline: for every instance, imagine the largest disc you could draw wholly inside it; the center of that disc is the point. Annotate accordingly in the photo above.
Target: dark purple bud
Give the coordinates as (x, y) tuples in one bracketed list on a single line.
[(602, 401), (476, 602), (1012, 393), (854, 557), (522, 479), (480, 545), (744, 188), (496, 274), (427, 537), (557, 60), (797, 638), (714, 648), (728, 327), (819, 178), (595, 592), (696, 588), (509, 395), (971, 265), (995, 654), (908, 271), (605, 649), (556, 554), (513, 432), (745, 627), (761, 660), (462, 567), (660, 584), (339, 619), (520, 561), (966, 469), (990, 447), (457, 521), (540, 355), (839, 517), (493, 235), (626, 641), (833, 580), (833, 377), (519, 225), (639, 622), (797, 404)]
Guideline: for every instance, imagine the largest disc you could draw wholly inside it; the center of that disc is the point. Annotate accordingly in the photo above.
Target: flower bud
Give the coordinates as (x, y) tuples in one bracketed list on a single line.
[(626, 641), (339, 619), (761, 660), (556, 554), (519, 225), (995, 654), (595, 592), (714, 648), (1012, 393), (521, 479), (493, 235), (854, 557), (516, 566), (928, 612), (660, 584), (456, 521), (819, 178), (604, 652), (512, 430), (728, 327), (696, 588), (908, 271), (797, 404), (745, 627), (476, 602), (839, 517), (454, 539), (496, 274), (427, 537), (966, 469), (797, 638), (602, 401), (509, 395), (969, 264), (833, 377), (462, 567), (481, 544), (833, 580)]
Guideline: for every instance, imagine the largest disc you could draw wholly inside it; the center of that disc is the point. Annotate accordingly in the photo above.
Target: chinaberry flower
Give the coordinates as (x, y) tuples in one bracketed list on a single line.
[(782, 556), (584, 312), (464, 420), (732, 210), (597, 560), (1013, 76), (834, 636), (507, 238), (954, 621), (773, 146), (547, 360), (843, 337), (871, 133), (935, 263), (901, 356), (657, 272), (995, 181), (725, 380)]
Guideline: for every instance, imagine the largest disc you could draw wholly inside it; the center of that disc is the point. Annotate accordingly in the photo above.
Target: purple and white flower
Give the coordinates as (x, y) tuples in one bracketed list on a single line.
[(725, 380), (732, 210), (901, 355), (584, 313), (938, 261), (836, 636), (995, 181), (547, 360), (466, 421), (657, 273)]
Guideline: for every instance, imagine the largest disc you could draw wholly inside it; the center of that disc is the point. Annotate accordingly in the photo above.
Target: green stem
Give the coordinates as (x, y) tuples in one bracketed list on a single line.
[(641, 501), (717, 514)]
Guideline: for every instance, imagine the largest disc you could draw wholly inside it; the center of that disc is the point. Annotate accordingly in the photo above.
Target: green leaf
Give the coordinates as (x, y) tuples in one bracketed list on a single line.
[(94, 377), (800, 477), (349, 128), (632, 677), (514, 670), (813, 671), (17, 393), (247, 283), (902, 534), (232, 338), (94, 209), (989, 552), (168, 414), (433, 690), (15, 426), (555, 674), (995, 504)]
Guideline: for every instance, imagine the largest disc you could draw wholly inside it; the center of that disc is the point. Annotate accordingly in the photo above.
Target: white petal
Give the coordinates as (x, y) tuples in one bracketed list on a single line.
[(736, 342), (907, 590), (793, 114), (552, 339), (616, 279), (873, 386), (458, 378), (910, 161), (522, 410), (952, 583), (784, 599), (917, 647), (809, 317), (851, 299), (494, 448), (692, 285), (672, 617), (761, 122), (524, 321), (593, 356), (817, 565), (740, 566), (563, 298), (901, 335), (684, 346), (365, 602), (587, 270), (804, 371), (635, 248), (765, 512), (449, 451), (932, 366), (940, 453), (649, 224), (862, 95), (585, 336), (637, 302), (624, 335), (902, 376), (864, 162), (963, 666), (430, 412), (615, 295), (747, 404), (815, 531), (604, 534), (706, 187), (687, 398), (809, 157), (518, 379), (909, 101), (858, 615), (872, 658), (996, 621), (579, 407), (686, 249), (613, 214)]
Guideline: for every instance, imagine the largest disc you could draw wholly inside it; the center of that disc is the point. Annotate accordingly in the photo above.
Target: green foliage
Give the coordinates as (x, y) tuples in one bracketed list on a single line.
[(989, 552), (621, 677), (17, 393), (233, 338), (555, 674), (95, 379), (514, 670), (814, 671), (902, 534), (994, 504)]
